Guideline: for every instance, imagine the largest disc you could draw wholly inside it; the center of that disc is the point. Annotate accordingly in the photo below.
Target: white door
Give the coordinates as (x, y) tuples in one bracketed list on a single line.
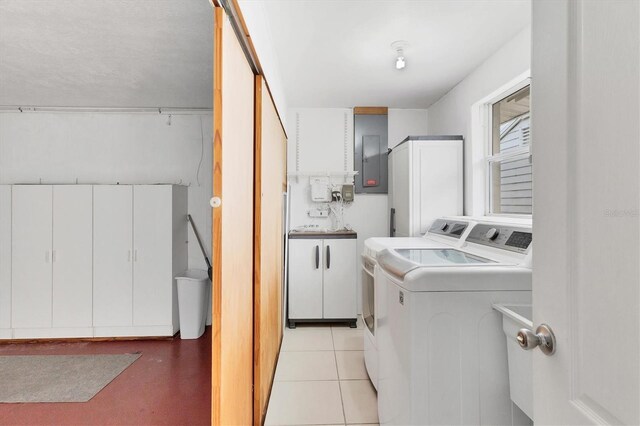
[(112, 255), (305, 279), (339, 291), (586, 155), (152, 255), (72, 256), (31, 256)]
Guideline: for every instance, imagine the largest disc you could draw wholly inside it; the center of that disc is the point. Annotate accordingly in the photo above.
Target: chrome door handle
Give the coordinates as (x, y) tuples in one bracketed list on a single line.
[(543, 337)]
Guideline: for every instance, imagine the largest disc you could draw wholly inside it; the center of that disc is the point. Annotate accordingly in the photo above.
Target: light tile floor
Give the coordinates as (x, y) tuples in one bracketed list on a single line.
[(321, 379)]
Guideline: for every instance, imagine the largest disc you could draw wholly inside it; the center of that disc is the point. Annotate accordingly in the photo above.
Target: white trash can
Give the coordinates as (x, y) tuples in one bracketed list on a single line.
[(193, 302)]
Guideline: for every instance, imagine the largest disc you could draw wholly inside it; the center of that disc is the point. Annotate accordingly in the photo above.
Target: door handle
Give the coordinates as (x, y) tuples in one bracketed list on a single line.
[(392, 223), (317, 257), (328, 257), (543, 338)]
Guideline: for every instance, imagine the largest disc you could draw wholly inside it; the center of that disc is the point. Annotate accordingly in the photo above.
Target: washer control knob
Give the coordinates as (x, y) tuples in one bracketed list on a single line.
[(492, 234), (444, 226)]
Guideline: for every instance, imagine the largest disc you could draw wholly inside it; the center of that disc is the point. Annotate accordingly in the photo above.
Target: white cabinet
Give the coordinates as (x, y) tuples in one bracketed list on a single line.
[(51, 261), (72, 257), (5, 262), (139, 238), (91, 260), (322, 278), (31, 256), (340, 276), (305, 279), (425, 182), (113, 255)]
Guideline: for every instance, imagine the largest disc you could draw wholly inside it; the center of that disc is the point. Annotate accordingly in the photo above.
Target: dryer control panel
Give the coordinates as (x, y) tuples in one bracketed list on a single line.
[(502, 237), (450, 228)]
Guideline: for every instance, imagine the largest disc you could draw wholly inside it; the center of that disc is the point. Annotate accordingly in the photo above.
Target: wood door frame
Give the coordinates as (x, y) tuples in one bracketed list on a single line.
[(216, 237), (232, 10)]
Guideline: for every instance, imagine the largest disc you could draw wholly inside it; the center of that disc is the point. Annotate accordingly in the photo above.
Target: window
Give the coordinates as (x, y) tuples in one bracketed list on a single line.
[(509, 160)]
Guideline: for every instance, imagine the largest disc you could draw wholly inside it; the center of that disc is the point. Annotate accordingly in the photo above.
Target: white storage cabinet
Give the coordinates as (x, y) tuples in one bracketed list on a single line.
[(51, 257), (91, 260), (425, 182), (139, 240), (5, 262), (322, 277)]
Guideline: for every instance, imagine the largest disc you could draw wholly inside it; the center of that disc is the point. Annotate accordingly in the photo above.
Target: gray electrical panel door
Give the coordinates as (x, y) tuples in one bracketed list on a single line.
[(371, 145)]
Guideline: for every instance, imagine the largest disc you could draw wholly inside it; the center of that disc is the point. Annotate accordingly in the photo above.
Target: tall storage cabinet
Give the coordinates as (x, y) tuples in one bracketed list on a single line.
[(426, 182), (31, 256), (322, 277), (51, 261), (113, 256), (5, 262), (139, 238), (91, 260)]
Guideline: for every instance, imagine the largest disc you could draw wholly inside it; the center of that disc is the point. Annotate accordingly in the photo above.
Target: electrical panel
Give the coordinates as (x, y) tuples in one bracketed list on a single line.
[(371, 146)]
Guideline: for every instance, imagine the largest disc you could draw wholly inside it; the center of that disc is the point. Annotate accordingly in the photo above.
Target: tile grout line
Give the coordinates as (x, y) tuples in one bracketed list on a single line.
[(335, 357)]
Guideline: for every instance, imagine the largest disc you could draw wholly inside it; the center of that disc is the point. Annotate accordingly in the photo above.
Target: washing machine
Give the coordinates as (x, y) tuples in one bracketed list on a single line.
[(444, 232), (442, 355)]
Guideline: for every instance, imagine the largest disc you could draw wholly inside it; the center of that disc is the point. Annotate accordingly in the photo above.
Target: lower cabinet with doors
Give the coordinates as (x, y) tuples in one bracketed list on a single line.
[(91, 260), (322, 277)]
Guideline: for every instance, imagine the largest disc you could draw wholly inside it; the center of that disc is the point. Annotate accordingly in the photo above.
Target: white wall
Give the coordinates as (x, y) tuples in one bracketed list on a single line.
[(452, 114), (324, 139), (107, 148), (406, 122)]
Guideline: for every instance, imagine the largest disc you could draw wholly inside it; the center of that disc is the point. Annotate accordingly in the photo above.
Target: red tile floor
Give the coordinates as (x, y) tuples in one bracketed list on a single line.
[(170, 384)]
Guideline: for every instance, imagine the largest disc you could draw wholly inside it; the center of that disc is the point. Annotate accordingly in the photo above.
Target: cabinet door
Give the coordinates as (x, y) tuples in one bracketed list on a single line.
[(152, 255), (112, 255), (31, 255), (72, 256), (340, 279), (5, 256), (305, 279)]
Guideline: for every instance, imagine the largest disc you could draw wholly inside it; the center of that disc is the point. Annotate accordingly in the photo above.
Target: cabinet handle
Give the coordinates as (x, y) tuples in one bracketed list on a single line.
[(328, 257), (317, 257)]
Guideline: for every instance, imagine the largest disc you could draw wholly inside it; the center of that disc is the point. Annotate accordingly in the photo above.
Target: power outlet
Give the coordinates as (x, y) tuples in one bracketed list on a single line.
[(319, 212)]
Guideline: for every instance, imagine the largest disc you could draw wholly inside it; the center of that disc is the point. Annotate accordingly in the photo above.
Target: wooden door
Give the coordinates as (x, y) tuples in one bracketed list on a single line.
[(305, 278), (339, 281), (31, 256), (233, 180), (586, 159), (270, 181), (112, 256), (72, 256), (152, 255)]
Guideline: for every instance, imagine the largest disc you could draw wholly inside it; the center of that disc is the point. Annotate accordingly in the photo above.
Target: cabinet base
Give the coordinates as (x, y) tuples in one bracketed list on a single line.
[(353, 322)]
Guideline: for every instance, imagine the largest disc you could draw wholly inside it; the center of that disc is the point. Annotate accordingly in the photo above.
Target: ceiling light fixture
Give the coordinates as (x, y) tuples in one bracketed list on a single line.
[(398, 47)]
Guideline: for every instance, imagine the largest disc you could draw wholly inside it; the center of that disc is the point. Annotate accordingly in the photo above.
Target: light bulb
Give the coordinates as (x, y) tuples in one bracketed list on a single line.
[(400, 63)]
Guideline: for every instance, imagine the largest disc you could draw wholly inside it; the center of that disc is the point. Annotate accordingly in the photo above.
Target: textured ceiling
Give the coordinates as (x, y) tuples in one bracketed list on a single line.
[(336, 53), (106, 53)]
